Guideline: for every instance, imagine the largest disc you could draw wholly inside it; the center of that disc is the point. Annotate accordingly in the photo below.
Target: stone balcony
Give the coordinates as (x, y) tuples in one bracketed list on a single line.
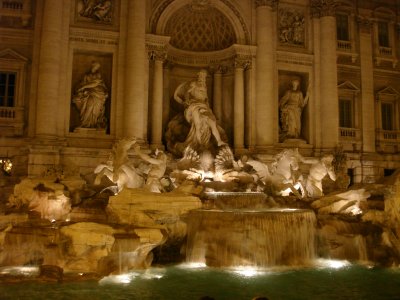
[(11, 121), (17, 9), (387, 140), (350, 138), (346, 48)]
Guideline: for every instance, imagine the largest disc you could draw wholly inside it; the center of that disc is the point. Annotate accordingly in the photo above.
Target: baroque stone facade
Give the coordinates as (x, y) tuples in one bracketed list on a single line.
[(343, 54)]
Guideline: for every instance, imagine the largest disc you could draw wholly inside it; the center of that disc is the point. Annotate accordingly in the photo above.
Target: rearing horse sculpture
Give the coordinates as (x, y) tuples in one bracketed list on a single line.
[(119, 169), (282, 176)]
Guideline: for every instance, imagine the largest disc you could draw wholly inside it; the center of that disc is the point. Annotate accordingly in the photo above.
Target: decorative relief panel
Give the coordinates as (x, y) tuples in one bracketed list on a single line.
[(96, 12), (291, 24)]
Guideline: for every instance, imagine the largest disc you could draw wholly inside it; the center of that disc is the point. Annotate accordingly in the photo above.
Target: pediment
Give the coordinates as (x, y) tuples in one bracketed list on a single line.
[(389, 91), (10, 54), (349, 86)]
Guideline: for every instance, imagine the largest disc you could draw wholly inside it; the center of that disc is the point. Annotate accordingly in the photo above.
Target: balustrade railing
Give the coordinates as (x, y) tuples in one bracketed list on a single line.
[(385, 50), (349, 133), (388, 136), (7, 113), (16, 8), (344, 45)]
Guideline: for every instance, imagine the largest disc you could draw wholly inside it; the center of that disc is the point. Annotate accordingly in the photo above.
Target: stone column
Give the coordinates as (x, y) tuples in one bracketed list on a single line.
[(49, 69), (217, 93), (329, 109), (265, 72), (238, 104), (156, 117), (367, 85), (134, 120)]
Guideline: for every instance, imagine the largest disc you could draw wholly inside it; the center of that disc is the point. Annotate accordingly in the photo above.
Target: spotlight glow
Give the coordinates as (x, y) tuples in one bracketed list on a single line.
[(118, 279), (247, 271), (332, 263), (193, 265)]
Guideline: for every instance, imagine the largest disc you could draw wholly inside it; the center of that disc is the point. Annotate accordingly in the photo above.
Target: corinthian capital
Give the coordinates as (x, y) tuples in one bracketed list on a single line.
[(322, 8), (271, 3)]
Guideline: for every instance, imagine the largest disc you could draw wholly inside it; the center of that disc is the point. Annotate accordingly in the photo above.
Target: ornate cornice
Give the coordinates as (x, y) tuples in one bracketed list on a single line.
[(323, 8), (271, 3)]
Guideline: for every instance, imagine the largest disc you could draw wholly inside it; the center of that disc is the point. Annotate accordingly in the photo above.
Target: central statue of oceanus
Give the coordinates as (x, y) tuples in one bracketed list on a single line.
[(203, 133)]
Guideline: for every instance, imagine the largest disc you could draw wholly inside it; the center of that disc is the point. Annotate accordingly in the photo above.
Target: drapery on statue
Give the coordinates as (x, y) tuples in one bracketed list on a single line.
[(90, 97), (203, 125), (291, 106)]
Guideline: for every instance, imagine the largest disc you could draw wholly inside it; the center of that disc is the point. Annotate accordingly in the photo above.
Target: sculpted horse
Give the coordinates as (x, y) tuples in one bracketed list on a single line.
[(282, 177), (285, 176), (119, 169)]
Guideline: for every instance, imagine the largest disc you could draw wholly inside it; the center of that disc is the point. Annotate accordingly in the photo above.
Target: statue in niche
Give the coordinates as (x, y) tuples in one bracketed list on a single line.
[(204, 133), (291, 27), (99, 10), (90, 97), (290, 107)]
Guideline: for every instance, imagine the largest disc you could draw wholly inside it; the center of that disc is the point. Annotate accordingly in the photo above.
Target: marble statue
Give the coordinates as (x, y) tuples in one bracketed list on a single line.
[(90, 97), (283, 176), (156, 170), (119, 169), (203, 125), (318, 171), (291, 106)]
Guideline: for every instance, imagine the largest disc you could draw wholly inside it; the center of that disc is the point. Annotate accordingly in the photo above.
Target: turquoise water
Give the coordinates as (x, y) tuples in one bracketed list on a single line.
[(351, 282)]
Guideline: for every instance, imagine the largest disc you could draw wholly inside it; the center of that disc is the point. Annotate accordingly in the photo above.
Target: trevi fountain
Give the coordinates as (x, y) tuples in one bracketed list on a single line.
[(196, 220)]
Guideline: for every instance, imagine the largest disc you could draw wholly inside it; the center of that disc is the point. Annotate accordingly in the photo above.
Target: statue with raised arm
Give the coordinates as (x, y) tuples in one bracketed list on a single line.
[(290, 108), (198, 114)]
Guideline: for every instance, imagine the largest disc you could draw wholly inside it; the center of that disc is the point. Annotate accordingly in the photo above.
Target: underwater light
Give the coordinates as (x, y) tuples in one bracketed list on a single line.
[(333, 263), (193, 265), (118, 279), (247, 271)]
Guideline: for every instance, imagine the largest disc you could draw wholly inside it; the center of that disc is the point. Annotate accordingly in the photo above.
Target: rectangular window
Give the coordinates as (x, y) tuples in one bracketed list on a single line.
[(342, 27), (345, 113), (7, 89), (383, 34), (387, 116)]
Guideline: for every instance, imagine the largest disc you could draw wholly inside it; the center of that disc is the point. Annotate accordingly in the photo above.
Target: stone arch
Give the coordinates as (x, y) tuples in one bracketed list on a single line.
[(166, 9)]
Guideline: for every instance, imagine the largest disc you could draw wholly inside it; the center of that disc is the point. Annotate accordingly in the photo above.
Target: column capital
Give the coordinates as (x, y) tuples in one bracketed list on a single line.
[(323, 8), (158, 55), (270, 3), (365, 23), (242, 62), (218, 69)]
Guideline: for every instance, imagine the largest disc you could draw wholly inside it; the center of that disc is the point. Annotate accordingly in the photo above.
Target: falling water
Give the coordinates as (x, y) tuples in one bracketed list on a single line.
[(251, 237)]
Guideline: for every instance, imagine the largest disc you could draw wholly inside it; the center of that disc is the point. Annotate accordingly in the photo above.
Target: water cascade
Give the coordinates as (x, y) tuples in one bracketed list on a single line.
[(251, 237)]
